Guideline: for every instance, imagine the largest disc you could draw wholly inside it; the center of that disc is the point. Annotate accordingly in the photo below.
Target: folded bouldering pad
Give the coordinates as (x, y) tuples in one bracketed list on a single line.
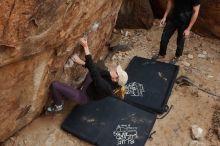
[(110, 122), (150, 84)]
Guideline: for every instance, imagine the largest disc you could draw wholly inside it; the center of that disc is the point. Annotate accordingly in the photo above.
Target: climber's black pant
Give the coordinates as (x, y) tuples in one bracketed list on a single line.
[(170, 28)]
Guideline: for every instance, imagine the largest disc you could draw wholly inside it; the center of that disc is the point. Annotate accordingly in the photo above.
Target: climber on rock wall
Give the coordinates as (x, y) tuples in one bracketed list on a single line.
[(182, 19), (98, 84)]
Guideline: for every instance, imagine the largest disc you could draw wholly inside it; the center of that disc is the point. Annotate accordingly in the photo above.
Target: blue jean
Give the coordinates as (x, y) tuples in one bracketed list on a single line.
[(79, 96)]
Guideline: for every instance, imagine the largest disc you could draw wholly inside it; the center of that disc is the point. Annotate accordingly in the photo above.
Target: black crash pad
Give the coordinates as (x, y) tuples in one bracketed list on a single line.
[(150, 83), (110, 122)]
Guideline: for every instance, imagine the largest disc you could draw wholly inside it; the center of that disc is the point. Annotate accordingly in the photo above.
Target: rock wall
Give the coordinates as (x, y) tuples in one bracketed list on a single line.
[(208, 23), (158, 7), (135, 14), (36, 39)]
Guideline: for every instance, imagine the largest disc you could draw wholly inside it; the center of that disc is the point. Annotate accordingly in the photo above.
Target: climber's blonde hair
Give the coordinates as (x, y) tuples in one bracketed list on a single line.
[(120, 92)]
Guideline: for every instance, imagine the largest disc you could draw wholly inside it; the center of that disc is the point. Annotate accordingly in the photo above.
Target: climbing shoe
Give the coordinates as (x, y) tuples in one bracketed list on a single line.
[(55, 108)]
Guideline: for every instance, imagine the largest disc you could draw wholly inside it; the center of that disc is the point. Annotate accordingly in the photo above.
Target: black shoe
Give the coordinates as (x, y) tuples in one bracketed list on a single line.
[(174, 60)]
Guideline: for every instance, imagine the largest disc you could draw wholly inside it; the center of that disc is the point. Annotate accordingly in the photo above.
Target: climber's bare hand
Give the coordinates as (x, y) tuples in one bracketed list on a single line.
[(83, 42)]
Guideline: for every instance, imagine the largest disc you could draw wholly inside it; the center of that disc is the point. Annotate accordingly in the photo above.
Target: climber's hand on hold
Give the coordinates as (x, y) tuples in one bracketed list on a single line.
[(84, 43)]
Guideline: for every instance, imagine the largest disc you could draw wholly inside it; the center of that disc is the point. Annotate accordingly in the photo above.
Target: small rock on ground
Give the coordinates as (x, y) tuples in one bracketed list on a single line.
[(190, 56), (197, 132), (196, 143)]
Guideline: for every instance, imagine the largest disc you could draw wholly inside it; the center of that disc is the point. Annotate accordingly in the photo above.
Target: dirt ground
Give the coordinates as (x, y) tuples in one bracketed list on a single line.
[(190, 105)]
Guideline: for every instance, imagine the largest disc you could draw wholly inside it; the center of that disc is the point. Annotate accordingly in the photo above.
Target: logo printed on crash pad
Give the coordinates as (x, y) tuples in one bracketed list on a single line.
[(125, 134), (135, 89)]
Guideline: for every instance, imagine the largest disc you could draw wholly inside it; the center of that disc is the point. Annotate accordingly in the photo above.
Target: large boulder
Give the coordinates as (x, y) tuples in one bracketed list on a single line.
[(36, 40), (158, 7), (208, 23), (135, 14)]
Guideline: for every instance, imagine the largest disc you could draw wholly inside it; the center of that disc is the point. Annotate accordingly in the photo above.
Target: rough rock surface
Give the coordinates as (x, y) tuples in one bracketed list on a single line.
[(36, 39), (208, 23), (158, 7), (135, 14)]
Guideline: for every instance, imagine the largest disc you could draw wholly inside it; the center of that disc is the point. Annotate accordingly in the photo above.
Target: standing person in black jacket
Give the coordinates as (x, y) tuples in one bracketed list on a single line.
[(185, 13), (97, 85)]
